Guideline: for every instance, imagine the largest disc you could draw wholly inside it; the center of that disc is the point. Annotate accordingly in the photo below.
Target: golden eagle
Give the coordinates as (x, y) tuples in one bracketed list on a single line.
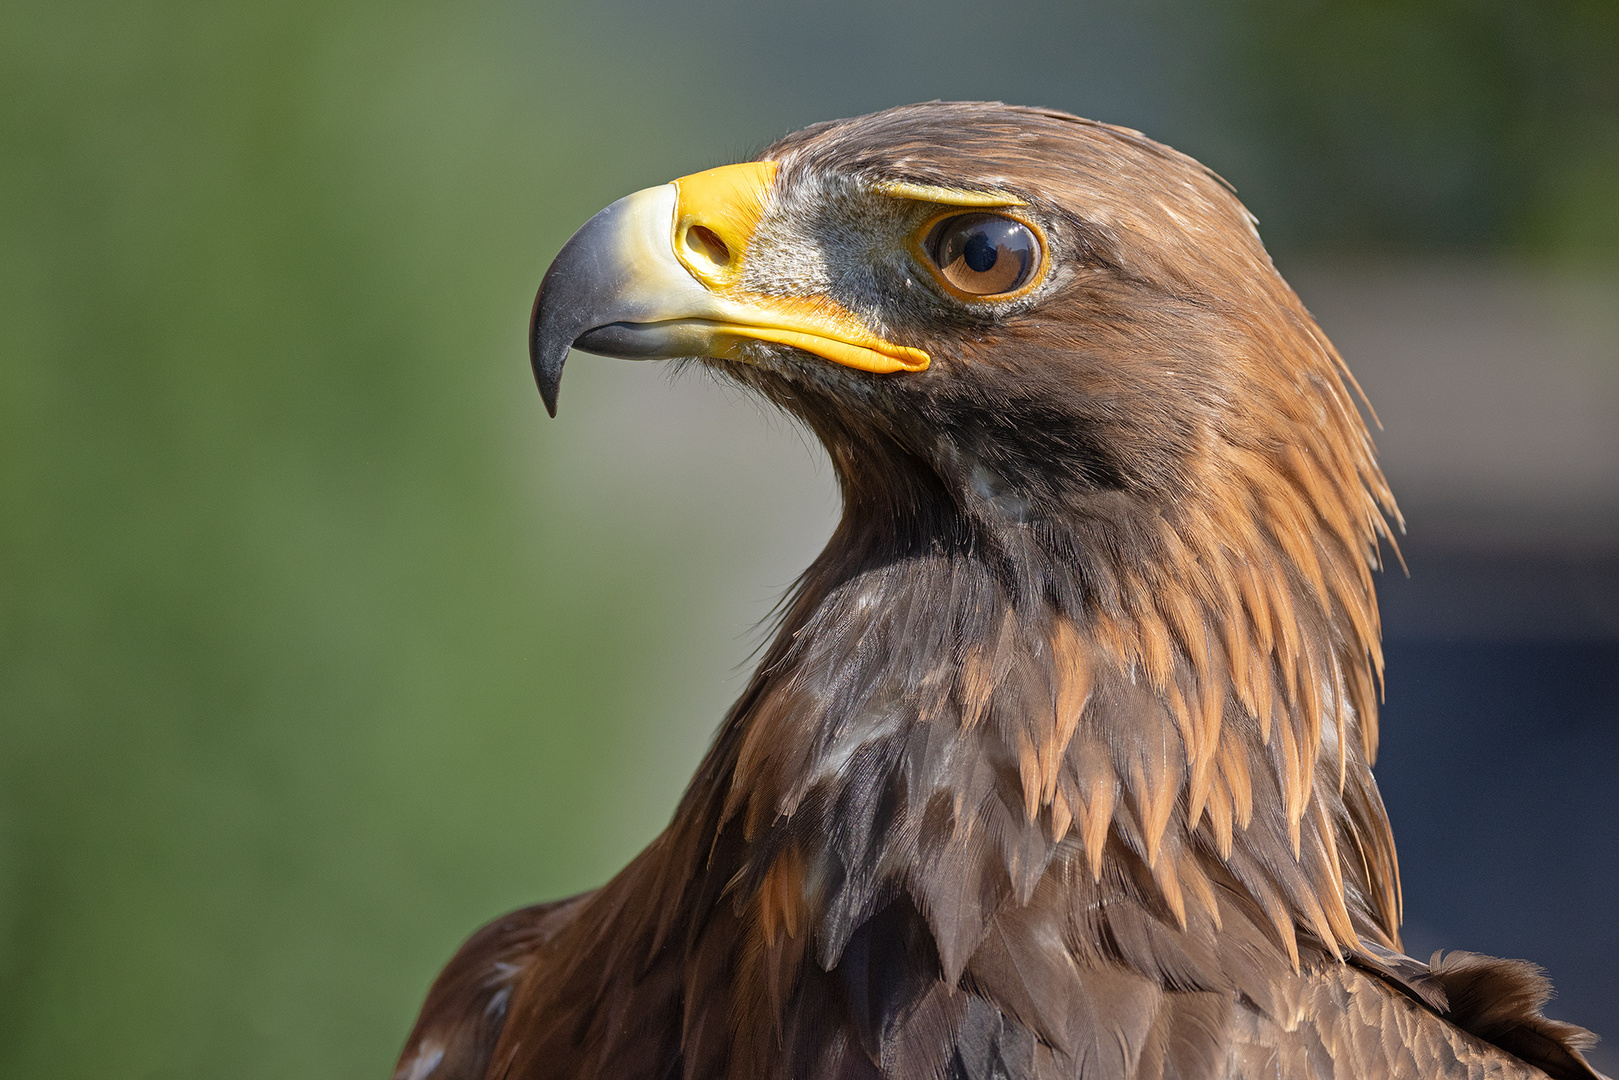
[(1060, 762)]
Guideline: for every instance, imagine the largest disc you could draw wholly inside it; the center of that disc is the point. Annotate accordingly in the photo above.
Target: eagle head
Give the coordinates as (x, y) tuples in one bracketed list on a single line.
[(1051, 319)]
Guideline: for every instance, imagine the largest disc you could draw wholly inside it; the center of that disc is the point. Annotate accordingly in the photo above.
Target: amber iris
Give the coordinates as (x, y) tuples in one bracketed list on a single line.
[(984, 254)]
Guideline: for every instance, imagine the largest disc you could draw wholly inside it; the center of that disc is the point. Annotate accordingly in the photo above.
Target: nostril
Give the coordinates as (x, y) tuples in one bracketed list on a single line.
[(705, 243)]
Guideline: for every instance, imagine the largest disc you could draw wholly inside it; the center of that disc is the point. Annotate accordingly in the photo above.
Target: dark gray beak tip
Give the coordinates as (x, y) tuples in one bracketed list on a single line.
[(588, 298), (545, 356)]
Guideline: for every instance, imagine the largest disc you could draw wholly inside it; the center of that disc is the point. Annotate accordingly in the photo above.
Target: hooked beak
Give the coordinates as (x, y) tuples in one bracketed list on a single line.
[(658, 275)]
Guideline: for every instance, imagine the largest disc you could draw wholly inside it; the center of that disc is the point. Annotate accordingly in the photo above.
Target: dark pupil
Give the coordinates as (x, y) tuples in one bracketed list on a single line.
[(984, 254), (980, 251)]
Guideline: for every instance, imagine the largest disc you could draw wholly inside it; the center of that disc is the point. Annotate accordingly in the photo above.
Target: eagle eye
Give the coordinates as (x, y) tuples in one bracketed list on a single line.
[(983, 254)]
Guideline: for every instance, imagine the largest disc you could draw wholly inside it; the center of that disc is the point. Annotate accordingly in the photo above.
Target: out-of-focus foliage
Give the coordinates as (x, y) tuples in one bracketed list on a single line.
[(317, 645), (1462, 124), (297, 669)]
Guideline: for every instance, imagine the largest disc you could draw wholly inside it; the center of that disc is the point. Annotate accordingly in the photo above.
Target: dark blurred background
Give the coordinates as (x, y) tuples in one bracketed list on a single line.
[(320, 644)]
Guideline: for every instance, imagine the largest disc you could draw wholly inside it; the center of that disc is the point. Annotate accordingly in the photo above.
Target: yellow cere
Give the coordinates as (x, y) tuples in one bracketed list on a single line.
[(715, 215)]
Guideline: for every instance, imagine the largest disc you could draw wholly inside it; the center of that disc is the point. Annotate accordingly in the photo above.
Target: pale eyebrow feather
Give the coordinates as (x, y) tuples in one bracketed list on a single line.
[(947, 196)]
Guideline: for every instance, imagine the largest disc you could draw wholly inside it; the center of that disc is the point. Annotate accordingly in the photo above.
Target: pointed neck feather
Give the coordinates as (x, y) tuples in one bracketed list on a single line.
[(1189, 729)]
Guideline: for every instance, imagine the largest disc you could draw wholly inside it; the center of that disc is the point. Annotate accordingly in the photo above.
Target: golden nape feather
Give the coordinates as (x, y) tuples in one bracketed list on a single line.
[(1059, 764)]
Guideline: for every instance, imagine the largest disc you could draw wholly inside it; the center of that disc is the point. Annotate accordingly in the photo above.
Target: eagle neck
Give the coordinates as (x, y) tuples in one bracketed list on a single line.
[(931, 730)]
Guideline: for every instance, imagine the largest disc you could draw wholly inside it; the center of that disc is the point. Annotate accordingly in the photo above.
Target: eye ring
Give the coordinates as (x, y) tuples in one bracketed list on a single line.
[(982, 256)]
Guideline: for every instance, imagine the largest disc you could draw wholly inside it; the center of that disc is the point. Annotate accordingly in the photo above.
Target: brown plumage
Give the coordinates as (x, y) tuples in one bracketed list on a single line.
[(1060, 762)]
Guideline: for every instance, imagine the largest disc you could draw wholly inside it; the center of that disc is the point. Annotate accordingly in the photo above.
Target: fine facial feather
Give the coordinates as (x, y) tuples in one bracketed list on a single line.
[(1060, 761)]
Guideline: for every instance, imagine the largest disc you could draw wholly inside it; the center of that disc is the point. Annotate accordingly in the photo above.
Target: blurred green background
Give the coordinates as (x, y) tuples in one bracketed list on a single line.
[(319, 644)]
